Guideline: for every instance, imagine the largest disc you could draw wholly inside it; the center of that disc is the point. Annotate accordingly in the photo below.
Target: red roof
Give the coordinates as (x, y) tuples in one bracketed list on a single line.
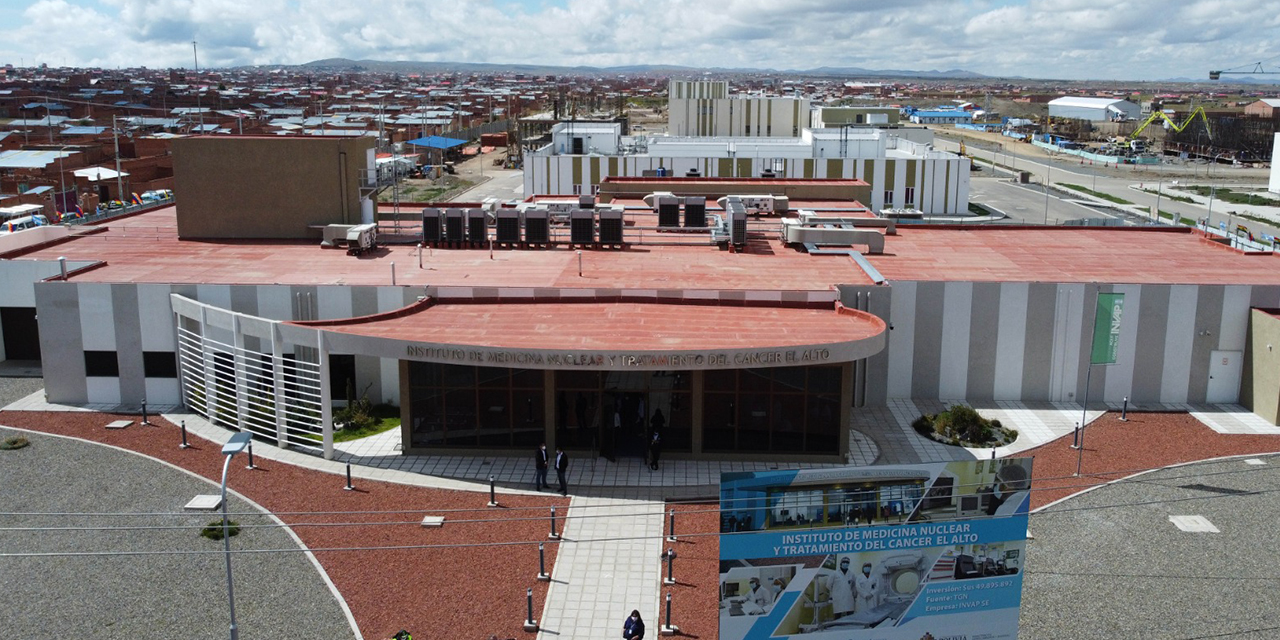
[(145, 248), (594, 326)]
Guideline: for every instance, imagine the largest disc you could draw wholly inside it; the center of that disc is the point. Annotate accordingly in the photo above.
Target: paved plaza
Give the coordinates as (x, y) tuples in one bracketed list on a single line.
[(607, 566)]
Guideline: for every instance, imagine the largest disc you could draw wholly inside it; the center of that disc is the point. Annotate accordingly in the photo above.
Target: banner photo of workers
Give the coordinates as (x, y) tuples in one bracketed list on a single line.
[(886, 552)]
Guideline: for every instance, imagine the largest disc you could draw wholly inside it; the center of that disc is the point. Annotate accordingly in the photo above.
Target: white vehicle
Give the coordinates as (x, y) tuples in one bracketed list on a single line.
[(20, 224), (156, 195)]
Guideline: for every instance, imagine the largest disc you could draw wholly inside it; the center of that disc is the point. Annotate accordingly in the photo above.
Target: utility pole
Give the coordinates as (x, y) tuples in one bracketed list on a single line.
[(195, 57), (115, 136)]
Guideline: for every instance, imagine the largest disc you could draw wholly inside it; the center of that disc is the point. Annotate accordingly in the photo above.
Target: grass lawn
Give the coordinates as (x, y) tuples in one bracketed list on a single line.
[(1096, 194), (388, 419), (1227, 195)]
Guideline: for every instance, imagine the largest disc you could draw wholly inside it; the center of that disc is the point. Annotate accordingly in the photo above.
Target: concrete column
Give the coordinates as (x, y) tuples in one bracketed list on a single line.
[(695, 390), (210, 379), (549, 407), (406, 402), (238, 371), (277, 385), (326, 396), (846, 406)]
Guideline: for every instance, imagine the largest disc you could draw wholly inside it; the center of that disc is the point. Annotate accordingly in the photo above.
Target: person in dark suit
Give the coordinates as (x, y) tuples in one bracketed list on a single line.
[(562, 471), (633, 628), (541, 460)]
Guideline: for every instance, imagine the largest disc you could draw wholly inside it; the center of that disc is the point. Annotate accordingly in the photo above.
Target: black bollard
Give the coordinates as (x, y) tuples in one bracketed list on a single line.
[(553, 533), (529, 623), (671, 531), (668, 629), (542, 563), (251, 465), (348, 487), (493, 498), (671, 564), (1124, 410), (184, 444), (145, 421)]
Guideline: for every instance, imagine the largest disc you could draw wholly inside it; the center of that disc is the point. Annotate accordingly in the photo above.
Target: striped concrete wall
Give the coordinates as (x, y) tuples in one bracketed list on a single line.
[(1030, 341), (940, 186), (948, 340), (698, 114), (132, 318)]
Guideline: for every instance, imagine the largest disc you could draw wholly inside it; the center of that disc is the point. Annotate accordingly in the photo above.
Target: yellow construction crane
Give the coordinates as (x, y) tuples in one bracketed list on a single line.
[(1199, 111)]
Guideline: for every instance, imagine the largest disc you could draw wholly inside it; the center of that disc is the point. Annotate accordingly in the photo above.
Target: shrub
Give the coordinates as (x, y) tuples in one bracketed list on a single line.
[(213, 530), (962, 425), (14, 442), (923, 425), (358, 414)]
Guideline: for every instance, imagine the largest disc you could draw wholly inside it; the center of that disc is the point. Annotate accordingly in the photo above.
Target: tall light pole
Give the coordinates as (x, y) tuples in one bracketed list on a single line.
[(1048, 172), (238, 442), (115, 136), (195, 58), (62, 181)]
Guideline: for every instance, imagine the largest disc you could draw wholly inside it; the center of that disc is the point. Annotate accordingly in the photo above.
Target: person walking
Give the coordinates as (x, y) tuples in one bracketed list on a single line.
[(562, 470), (655, 449), (541, 460), (633, 628)]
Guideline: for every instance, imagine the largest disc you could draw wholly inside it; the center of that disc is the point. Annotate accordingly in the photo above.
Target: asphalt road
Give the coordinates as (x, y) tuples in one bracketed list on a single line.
[(1118, 182), (1110, 563), (1027, 204)]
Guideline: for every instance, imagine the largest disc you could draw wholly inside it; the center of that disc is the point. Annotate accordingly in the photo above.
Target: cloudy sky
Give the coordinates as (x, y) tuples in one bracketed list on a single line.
[(1072, 39)]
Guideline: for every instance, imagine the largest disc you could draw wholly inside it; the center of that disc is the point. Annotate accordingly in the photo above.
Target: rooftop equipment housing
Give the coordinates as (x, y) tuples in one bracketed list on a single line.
[(537, 227), (454, 226), (695, 212), (668, 211), (507, 227), (477, 227), (582, 227), (432, 226), (611, 227)]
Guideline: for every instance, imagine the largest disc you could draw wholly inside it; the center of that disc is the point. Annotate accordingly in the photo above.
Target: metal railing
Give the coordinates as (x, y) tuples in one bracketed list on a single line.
[(249, 390), (107, 214)]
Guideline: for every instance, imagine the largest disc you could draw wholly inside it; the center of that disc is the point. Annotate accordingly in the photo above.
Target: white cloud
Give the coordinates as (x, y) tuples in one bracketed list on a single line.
[(1133, 39)]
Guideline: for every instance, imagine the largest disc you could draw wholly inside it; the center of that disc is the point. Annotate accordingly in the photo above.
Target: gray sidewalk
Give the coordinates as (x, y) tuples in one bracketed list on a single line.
[(606, 566)]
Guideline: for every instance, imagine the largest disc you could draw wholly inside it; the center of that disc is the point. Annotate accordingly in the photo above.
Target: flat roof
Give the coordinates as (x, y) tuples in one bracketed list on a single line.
[(1131, 255), (145, 248), (617, 326)]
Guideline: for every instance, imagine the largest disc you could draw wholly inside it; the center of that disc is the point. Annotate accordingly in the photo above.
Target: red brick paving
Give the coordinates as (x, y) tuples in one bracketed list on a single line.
[(434, 593), (1115, 449)]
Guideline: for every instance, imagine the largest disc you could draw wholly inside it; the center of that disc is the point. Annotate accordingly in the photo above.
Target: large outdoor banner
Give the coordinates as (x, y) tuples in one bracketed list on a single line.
[(886, 553)]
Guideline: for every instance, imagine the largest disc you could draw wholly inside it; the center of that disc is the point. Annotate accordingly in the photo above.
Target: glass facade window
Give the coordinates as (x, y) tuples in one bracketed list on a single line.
[(780, 410), (616, 412), (485, 407)]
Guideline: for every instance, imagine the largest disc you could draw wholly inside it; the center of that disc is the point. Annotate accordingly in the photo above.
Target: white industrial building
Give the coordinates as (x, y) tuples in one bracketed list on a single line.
[(1274, 185), (1094, 109), (705, 108), (901, 165)]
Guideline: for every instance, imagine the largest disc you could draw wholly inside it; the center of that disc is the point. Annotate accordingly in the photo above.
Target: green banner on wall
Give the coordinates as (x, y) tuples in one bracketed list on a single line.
[(1106, 328)]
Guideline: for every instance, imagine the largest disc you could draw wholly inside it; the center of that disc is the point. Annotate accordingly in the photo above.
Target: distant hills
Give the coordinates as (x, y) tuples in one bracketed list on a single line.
[(385, 66)]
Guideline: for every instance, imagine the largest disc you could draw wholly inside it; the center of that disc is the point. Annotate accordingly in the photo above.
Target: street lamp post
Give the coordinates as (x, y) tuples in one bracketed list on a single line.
[(238, 442), (1048, 173)]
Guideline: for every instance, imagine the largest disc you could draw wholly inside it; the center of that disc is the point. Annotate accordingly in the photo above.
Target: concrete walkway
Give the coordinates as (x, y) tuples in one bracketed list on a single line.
[(606, 566)]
